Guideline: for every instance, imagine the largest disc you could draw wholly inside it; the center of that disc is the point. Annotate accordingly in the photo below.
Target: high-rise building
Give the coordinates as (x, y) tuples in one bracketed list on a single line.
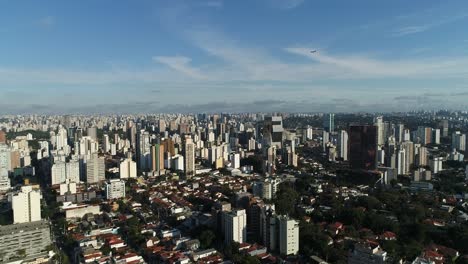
[(343, 144), (235, 226), (189, 157), (61, 171), (399, 133), (436, 164), (363, 147), (436, 136), (5, 167), (378, 122), (421, 156), (444, 124), (157, 158), (273, 131), (143, 150), (106, 143), (408, 146), (92, 133), (2, 136), (115, 189), (288, 235), (95, 169), (26, 205), (161, 125), (401, 163), (459, 141), (329, 123), (127, 169)]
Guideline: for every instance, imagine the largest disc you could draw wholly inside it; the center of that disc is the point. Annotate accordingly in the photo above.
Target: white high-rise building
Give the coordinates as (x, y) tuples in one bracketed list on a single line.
[(128, 169), (5, 167), (401, 167), (26, 205), (61, 171), (235, 160), (235, 226), (95, 169), (436, 136), (343, 144), (68, 187), (106, 143), (378, 122), (115, 189), (436, 164), (288, 235)]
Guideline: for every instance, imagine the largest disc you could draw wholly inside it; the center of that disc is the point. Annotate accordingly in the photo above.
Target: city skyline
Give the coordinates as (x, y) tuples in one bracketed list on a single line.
[(232, 56)]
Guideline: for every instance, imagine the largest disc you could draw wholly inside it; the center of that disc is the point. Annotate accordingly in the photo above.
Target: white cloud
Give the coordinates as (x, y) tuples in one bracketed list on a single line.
[(180, 64)]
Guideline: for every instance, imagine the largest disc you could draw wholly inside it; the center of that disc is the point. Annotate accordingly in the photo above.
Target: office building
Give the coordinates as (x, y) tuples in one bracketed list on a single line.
[(363, 147), (115, 189), (235, 226), (26, 205)]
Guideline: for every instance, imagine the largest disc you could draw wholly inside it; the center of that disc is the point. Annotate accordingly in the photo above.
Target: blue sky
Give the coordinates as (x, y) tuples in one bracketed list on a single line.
[(232, 55)]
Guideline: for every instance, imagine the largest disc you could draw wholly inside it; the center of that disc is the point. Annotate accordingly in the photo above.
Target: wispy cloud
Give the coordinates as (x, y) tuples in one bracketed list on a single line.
[(425, 26), (180, 64)]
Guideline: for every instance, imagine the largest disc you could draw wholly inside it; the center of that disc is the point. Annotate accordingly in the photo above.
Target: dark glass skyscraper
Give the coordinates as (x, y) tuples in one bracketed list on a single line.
[(363, 147)]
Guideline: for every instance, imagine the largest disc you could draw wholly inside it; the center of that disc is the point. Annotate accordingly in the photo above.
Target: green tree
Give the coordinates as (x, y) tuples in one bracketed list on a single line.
[(206, 238), (286, 199)]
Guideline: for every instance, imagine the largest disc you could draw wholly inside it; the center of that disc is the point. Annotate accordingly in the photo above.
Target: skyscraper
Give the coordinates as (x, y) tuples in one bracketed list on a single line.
[(26, 205), (157, 158), (343, 144), (143, 150), (378, 122), (189, 157), (115, 189), (329, 123), (363, 147)]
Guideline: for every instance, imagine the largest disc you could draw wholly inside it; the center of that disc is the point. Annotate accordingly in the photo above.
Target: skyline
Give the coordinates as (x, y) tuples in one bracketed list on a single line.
[(215, 55)]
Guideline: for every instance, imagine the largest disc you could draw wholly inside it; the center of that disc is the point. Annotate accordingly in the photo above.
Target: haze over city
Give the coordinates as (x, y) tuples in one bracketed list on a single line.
[(232, 56)]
